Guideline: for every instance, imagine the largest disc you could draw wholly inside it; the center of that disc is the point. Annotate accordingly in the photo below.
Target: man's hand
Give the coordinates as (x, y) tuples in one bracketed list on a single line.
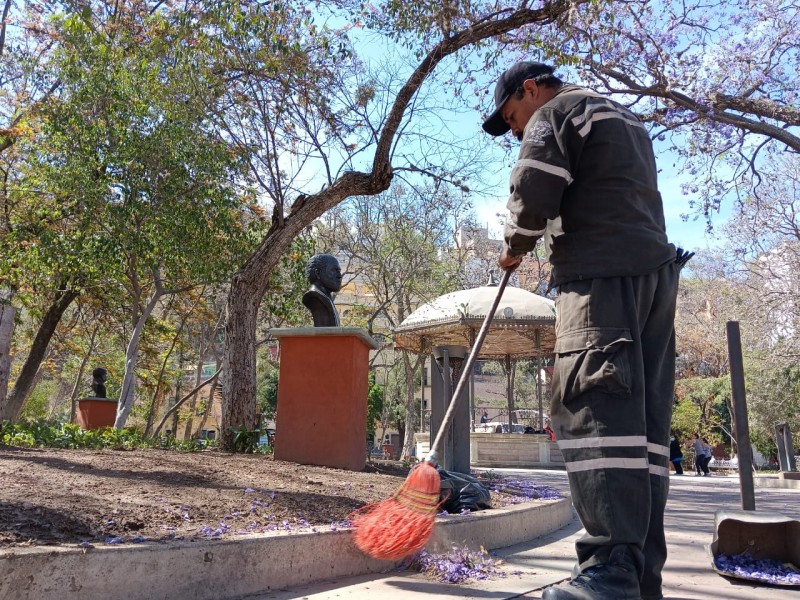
[(507, 261)]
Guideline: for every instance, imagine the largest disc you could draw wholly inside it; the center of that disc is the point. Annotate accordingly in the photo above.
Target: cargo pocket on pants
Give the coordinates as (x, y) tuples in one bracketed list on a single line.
[(595, 358)]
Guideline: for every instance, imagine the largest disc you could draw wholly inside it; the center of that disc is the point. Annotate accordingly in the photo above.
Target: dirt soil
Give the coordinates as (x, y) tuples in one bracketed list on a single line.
[(70, 497)]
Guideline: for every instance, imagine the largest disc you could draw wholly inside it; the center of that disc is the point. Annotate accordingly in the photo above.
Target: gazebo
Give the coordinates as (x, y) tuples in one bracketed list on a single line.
[(523, 327)]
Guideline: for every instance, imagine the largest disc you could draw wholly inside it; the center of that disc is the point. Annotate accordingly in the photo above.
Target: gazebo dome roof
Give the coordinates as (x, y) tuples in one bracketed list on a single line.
[(524, 324)]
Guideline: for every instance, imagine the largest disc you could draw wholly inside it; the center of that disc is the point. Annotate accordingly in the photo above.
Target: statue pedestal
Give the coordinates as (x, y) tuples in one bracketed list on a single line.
[(94, 413), (322, 396)]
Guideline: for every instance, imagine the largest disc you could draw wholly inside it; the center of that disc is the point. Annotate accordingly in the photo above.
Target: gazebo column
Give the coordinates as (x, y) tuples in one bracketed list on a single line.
[(455, 446)]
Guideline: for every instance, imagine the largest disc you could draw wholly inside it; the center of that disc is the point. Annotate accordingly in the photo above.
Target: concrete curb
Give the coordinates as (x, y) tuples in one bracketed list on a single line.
[(228, 569), (775, 481)]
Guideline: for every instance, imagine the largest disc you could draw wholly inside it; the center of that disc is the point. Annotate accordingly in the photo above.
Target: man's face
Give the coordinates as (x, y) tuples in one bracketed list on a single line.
[(518, 111), (330, 276)]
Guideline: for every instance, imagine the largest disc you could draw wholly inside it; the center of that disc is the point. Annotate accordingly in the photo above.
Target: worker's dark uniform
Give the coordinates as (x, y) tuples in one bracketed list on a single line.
[(585, 180)]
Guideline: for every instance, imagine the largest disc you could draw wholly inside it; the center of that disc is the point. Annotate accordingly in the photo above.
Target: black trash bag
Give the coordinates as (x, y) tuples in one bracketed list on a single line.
[(460, 491)]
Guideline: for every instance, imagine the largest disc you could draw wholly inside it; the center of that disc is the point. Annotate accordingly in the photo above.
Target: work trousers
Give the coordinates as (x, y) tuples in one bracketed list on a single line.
[(613, 386)]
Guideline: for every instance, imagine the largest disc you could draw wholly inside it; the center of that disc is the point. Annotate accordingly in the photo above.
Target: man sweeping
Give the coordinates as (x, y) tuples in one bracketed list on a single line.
[(585, 180)]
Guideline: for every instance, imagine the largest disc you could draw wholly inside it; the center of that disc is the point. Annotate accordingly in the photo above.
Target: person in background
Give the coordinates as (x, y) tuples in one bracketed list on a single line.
[(707, 456), (485, 417), (700, 461), (675, 454)]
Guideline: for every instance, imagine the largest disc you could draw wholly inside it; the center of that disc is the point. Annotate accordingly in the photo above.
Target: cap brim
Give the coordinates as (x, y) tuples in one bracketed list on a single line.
[(495, 124)]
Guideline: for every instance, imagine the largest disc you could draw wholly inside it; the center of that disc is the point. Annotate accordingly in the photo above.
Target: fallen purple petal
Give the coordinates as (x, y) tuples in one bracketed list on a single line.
[(457, 566), (760, 569)]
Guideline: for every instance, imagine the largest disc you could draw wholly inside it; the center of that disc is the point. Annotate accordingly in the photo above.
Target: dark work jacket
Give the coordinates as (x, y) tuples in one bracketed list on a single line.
[(585, 179)]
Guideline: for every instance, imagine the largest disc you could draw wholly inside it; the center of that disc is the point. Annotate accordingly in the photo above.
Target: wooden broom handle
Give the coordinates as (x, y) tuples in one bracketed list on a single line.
[(433, 454)]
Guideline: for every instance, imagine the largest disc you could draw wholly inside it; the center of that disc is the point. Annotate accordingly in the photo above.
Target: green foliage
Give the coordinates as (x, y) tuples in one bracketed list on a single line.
[(773, 397), (685, 419), (41, 434), (764, 442), (374, 405), (287, 284), (268, 392), (245, 440), (126, 172), (37, 405), (710, 417)]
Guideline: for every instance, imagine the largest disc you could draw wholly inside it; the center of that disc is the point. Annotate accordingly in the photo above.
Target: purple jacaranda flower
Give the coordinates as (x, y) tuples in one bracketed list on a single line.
[(457, 565)]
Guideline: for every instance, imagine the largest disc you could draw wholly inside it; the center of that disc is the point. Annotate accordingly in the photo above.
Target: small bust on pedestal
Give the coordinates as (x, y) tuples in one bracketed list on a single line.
[(97, 410), (325, 277), (99, 376)]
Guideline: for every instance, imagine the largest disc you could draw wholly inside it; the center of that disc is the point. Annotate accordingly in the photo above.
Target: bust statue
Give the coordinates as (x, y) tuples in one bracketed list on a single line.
[(99, 376), (325, 277)]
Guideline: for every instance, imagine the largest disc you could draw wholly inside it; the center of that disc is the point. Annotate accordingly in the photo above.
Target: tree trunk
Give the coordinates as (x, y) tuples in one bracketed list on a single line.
[(510, 367), (239, 361), (64, 394), (204, 420), (7, 313), (410, 369), (73, 398), (187, 431), (151, 411), (24, 383), (174, 410), (128, 393)]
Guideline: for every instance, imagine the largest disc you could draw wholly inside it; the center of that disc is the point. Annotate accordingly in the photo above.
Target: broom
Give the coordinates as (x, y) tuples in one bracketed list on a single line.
[(399, 526)]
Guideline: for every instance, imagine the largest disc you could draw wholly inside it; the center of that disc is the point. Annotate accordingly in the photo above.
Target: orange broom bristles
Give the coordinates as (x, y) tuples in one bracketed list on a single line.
[(401, 525)]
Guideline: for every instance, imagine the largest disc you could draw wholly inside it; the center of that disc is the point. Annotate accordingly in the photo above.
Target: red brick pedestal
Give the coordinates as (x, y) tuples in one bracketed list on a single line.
[(94, 413), (322, 396)]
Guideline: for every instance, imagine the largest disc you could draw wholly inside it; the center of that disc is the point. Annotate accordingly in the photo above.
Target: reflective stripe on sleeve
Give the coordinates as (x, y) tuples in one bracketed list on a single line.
[(596, 464), (543, 166), (526, 232), (602, 116)]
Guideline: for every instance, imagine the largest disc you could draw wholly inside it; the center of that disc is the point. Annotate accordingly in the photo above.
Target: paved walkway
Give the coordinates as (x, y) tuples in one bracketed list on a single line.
[(535, 565)]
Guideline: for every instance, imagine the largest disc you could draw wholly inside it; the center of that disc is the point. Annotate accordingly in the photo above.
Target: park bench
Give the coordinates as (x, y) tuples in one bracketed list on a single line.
[(723, 464)]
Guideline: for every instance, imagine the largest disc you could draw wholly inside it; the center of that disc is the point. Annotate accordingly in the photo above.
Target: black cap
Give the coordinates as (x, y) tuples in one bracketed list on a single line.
[(510, 82)]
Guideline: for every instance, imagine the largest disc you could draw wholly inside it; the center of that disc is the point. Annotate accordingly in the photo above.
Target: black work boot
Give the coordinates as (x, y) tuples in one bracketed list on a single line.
[(616, 579), (648, 590)]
